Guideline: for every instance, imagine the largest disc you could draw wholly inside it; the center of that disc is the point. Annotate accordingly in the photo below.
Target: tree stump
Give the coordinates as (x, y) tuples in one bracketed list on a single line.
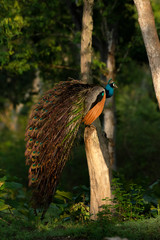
[(99, 171)]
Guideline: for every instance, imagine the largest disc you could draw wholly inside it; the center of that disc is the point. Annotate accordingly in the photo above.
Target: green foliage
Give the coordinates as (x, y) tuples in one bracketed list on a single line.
[(156, 210), (31, 40), (14, 199), (70, 206), (129, 204), (15, 213), (152, 197), (27, 32), (67, 206), (80, 212), (126, 205), (134, 230)]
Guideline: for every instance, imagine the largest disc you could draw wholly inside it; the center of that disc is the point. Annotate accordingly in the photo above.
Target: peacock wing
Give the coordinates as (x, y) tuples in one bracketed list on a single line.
[(94, 104)]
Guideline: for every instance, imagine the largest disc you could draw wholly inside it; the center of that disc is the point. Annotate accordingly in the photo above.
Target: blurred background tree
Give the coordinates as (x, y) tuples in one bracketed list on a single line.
[(40, 45)]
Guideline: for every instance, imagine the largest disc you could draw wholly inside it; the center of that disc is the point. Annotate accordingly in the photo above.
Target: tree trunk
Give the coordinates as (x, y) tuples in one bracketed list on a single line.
[(86, 41), (95, 145), (36, 87), (109, 110), (10, 115), (98, 165), (151, 41)]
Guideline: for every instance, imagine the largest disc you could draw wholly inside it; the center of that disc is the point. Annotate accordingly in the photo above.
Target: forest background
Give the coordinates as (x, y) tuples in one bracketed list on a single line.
[(40, 46)]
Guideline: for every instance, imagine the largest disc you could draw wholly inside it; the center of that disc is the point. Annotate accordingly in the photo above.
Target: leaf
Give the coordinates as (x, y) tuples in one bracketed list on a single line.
[(13, 185), (62, 194), (3, 206)]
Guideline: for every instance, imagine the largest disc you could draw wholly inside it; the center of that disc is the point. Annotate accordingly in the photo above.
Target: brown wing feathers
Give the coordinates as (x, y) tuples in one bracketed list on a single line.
[(94, 112)]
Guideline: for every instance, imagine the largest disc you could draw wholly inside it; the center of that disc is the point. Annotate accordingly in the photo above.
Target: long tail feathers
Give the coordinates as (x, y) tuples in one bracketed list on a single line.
[(50, 134)]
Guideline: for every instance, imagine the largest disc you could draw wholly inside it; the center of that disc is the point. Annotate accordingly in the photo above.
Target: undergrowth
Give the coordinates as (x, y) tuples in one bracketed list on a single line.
[(17, 229), (68, 215)]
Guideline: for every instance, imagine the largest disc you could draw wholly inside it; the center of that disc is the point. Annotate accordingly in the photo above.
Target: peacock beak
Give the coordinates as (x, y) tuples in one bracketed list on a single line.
[(115, 86)]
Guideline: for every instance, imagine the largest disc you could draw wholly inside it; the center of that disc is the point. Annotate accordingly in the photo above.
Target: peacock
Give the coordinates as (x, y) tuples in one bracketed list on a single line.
[(52, 129)]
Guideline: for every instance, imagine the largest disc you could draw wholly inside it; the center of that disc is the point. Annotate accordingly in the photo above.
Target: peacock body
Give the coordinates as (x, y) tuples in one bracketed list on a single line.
[(51, 131)]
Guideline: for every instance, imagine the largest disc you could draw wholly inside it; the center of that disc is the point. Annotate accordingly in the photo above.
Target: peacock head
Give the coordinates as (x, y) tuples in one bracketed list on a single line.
[(110, 88)]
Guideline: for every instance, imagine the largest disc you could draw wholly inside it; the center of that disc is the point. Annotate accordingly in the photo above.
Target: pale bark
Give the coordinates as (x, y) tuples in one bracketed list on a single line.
[(9, 116), (109, 129), (86, 41), (37, 87), (98, 165), (151, 41), (109, 112)]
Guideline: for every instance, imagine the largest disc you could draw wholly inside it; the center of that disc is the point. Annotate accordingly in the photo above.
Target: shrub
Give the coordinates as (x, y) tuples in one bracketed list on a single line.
[(126, 205)]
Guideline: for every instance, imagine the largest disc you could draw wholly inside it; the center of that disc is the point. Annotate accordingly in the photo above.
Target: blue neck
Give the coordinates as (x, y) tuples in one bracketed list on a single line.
[(109, 91)]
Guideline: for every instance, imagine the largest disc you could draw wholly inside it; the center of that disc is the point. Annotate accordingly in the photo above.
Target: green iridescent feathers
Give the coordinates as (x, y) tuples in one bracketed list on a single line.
[(50, 134)]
